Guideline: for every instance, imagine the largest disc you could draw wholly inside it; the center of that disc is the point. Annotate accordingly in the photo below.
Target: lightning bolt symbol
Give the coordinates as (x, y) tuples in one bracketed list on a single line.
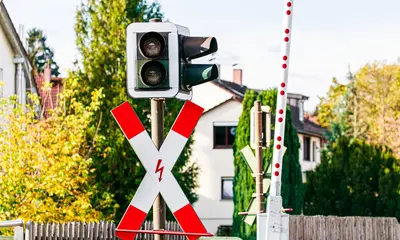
[(159, 169)]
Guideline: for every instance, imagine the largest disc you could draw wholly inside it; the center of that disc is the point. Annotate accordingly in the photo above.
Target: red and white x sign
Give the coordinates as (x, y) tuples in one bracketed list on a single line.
[(158, 164)]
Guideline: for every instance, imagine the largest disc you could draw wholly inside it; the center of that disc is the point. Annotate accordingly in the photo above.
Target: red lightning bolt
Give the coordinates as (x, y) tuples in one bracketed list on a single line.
[(159, 169)]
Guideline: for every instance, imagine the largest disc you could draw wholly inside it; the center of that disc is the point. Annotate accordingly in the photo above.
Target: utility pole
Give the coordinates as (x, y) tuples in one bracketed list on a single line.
[(157, 134), (258, 150)]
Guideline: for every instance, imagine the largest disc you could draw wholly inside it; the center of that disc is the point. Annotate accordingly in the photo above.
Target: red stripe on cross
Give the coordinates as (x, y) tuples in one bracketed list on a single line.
[(187, 119), (132, 219), (128, 120), (189, 221)]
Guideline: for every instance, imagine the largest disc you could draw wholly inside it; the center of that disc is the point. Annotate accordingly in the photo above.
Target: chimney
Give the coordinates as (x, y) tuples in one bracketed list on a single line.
[(237, 76), (21, 35), (47, 72)]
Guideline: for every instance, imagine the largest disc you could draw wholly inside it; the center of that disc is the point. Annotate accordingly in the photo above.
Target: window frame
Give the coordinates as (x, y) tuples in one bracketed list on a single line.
[(306, 148), (224, 230), (222, 188), (314, 151), (301, 110), (227, 126)]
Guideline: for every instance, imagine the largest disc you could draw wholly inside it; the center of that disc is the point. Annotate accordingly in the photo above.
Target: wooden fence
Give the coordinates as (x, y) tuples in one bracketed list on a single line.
[(301, 228), (343, 228), (89, 231)]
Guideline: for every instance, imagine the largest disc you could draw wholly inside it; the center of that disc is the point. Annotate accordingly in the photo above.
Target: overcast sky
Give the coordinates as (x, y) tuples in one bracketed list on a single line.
[(327, 36)]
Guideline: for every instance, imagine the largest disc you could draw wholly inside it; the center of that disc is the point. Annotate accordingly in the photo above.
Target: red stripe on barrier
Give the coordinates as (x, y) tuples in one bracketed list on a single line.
[(189, 221), (165, 232), (127, 120), (187, 119), (132, 219)]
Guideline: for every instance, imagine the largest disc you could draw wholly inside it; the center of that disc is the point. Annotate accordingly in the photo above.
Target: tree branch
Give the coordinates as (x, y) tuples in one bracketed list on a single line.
[(94, 137)]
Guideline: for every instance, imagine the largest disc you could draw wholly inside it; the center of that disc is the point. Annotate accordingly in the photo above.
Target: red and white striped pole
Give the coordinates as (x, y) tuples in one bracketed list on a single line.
[(277, 221), (281, 101)]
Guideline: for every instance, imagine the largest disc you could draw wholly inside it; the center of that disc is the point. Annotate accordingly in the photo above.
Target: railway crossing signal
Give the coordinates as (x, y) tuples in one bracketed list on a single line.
[(159, 60), (265, 127), (248, 155), (159, 179), (251, 160)]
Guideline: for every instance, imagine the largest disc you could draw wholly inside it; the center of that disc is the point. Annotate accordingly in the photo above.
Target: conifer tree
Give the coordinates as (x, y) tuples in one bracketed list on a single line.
[(354, 179), (40, 53), (244, 183)]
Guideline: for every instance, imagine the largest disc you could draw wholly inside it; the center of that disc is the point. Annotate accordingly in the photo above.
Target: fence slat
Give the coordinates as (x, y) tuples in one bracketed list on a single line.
[(300, 228)]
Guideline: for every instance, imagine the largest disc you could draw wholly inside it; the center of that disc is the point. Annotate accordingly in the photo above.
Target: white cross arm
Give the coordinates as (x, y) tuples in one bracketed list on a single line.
[(158, 165)]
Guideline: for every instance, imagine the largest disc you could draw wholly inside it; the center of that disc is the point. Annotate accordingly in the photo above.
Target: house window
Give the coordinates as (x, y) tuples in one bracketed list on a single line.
[(224, 136), (227, 188), (306, 148), (301, 110), (293, 102), (224, 230), (314, 149)]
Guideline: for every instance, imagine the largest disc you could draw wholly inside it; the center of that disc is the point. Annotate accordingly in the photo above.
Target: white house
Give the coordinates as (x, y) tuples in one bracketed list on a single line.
[(212, 149), (15, 68)]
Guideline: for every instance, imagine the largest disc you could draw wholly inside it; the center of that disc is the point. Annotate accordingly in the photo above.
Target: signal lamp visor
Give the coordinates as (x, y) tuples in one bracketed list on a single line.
[(152, 45), (153, 73)]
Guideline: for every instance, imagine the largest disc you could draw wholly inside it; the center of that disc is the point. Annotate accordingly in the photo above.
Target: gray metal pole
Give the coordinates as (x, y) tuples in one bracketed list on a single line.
[(157, 134), (258, 150)]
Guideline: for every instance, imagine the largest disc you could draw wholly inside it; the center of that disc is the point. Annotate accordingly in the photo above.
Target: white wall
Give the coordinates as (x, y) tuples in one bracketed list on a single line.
[(214, 164), (209, 95), (6, 63), (217, 163), (309, 165)]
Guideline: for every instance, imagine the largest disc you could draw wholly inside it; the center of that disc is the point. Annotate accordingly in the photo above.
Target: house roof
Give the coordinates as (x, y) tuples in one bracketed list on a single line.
[(49, 99), (304, 127), (15, 43), (309, 127), (234, 88), (239, 90)]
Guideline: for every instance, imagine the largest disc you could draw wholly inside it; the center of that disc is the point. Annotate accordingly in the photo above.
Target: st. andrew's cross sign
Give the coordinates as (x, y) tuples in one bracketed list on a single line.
[(159, 179)]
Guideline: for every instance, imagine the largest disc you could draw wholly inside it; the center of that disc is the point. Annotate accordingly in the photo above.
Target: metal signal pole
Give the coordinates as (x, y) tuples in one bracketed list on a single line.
[(157, 134), (258, 149)]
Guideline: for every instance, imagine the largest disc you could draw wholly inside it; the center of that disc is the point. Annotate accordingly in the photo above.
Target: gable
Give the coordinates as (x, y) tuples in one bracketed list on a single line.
[(6, 50), (208, 95), (5, 43), (10, 32), (227, 112), (12, 39)]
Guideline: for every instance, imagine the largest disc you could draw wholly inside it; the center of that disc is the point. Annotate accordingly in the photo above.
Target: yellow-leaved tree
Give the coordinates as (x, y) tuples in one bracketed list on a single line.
[(45, 164), (378, 104), (367, 107)]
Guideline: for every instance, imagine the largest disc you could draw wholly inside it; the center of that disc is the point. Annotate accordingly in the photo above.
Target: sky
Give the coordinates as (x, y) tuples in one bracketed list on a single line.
[(328, 37)]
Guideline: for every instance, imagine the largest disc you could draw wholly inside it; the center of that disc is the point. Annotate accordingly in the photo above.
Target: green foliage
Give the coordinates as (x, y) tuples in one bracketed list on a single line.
[(244, 184), (101, 40), (44, 167), (39, 53), (326, 113), (365, 108), (354, 179), (377, 89)]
